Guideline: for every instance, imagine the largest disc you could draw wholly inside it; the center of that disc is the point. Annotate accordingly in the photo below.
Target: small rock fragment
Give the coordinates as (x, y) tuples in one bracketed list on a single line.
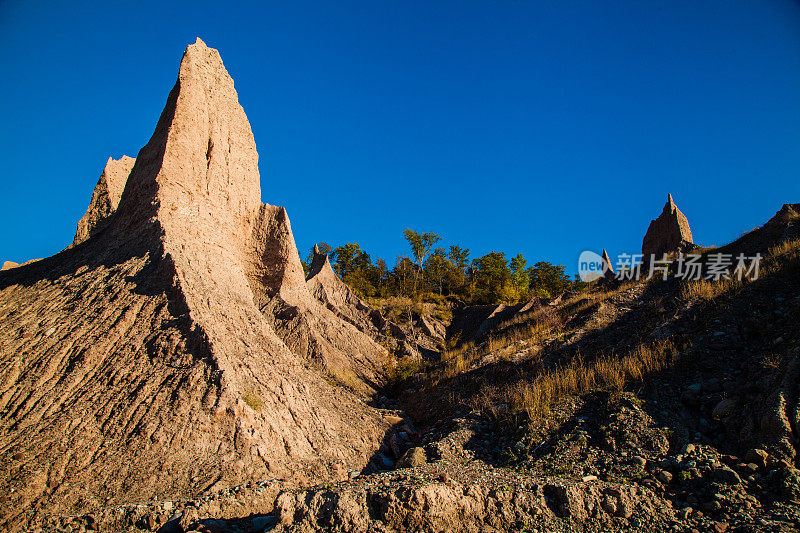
[(757, 457)]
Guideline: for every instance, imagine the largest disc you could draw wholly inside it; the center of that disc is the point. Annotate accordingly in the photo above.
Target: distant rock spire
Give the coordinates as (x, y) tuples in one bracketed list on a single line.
[(608, 265), (670, 232)]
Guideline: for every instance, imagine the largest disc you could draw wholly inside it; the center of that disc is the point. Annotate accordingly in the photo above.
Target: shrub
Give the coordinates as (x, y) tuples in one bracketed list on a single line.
[(400, 370), (252, 399)]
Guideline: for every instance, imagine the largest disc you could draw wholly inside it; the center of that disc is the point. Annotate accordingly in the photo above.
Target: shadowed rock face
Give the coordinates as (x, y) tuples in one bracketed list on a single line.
[(787, 217), (148, 361), (309, 329), (105, 197), (668, 233)]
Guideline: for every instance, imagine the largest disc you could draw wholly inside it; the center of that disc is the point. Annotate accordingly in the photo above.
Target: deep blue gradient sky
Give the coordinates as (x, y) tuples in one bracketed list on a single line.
[(544, 128)]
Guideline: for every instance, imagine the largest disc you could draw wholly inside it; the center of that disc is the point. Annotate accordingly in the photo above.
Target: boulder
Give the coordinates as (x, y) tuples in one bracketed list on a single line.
[(757, 457), (727, 475), (664, 477), (724, 409)]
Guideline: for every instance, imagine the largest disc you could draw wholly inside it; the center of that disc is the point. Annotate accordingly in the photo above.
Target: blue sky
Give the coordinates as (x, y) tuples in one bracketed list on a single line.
[(544, 128)]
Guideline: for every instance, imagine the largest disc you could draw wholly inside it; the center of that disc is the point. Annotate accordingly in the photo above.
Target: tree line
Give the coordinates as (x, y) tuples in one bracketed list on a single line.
[(488, 279)]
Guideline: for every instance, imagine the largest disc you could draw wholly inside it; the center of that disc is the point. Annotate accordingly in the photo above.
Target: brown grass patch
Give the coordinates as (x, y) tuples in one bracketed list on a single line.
[(607, 372), (789, 247), (708, 290), (348, 378)]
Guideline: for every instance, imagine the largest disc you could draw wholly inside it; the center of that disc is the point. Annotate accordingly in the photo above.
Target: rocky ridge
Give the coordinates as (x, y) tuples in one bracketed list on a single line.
[(105, 197), (420, 335)]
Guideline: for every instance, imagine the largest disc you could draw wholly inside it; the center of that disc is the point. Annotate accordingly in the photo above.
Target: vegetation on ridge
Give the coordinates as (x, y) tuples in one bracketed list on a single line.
[(489, 279)]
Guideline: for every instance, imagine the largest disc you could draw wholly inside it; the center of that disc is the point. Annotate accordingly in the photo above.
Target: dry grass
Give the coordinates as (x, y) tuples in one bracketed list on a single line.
[(533, 328), (604, 373), (772, 362), (457, 360), (544, 318), (348, 378), (532, 331), (707, 290), (789, 248), (774, 261), (582, 301), (780, 256), (510, 394)]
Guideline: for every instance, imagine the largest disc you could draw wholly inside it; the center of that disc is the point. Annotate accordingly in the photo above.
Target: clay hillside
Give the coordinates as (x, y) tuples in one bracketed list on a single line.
[(176, 347), (630, 405), (418, 338), (179, 368)]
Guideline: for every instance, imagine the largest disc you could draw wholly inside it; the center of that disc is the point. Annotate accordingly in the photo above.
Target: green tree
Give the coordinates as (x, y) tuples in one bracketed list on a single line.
[(548, 280), (519, 276), (355, 268), (456, 281), (383, 278), (345, 259), (491, 277), (403, 276), (421, 244), (459, 257), (436, 269)]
